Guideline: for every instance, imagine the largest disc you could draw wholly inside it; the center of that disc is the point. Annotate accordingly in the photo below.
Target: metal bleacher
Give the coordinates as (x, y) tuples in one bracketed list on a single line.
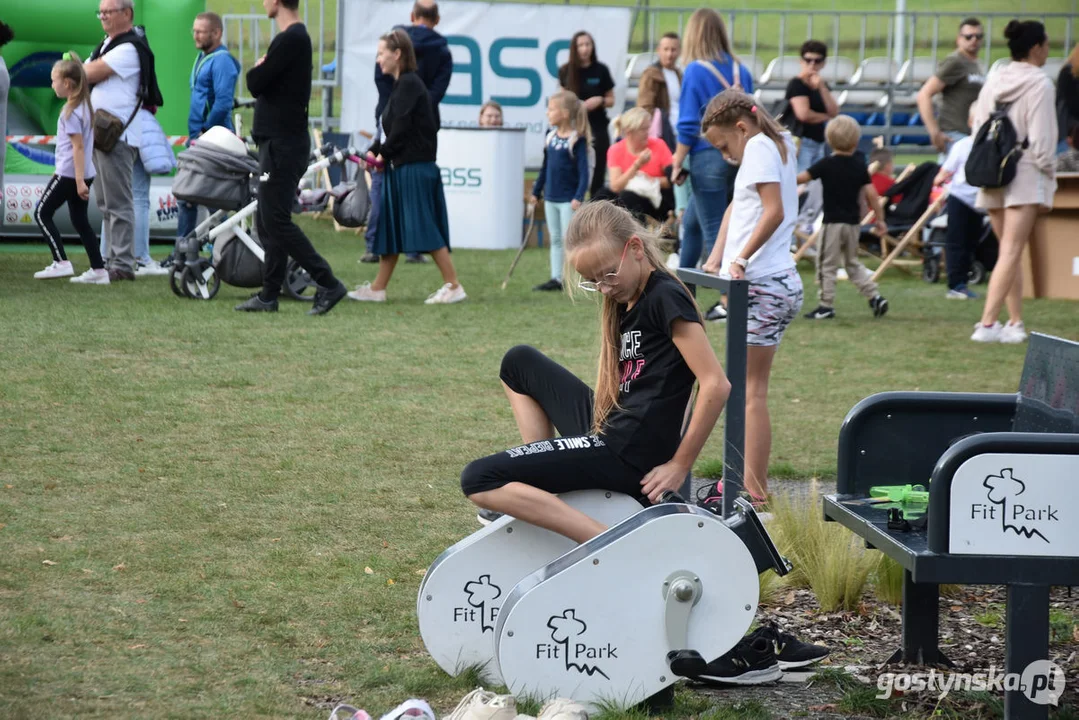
[(874, 91)]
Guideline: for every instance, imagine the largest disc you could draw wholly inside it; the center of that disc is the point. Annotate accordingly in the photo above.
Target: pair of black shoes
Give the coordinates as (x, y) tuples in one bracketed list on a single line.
[(325, 299), (758, 658)]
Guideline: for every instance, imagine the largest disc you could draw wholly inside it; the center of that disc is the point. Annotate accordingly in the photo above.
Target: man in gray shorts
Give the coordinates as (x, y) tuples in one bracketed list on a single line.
[(959, 79)]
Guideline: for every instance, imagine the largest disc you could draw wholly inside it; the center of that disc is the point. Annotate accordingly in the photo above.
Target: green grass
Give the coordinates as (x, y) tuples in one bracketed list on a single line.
[(208, 488)]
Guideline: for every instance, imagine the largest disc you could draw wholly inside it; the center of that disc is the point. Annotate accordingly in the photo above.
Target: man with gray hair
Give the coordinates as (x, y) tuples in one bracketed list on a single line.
[(115, 74)]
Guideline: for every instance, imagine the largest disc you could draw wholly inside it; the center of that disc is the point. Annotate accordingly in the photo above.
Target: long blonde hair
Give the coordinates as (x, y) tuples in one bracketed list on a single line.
[(578, 118), (633, 119), (732, 105), (705, 37), (607, 225), (70, 68)]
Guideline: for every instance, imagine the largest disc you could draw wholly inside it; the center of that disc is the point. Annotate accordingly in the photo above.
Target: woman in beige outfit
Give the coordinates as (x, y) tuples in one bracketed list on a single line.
[(1013, 209)]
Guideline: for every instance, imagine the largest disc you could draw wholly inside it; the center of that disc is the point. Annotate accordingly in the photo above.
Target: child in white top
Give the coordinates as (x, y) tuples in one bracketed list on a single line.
[(74, 175), (754, 244)]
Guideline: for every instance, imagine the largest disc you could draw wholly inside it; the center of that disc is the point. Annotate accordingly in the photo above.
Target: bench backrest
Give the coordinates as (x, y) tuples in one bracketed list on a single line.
[(1049, 389)]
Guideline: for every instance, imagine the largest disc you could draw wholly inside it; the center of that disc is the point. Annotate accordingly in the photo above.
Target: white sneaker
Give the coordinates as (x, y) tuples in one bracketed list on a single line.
[(841, 274), (563, 709), (92, 277), (1013, 334), (985, 334), (55, 270), (446, 294), (151, 268), (364, 293), (482, 705)]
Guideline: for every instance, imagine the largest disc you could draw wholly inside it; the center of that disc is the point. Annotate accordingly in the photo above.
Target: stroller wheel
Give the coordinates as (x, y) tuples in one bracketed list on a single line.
[(298, 284), (200, 282), (931, 269), (977, 273), (175, 279)]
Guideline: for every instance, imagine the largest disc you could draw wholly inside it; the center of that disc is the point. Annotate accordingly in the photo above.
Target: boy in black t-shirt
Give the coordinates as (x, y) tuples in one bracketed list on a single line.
[(845, 180)]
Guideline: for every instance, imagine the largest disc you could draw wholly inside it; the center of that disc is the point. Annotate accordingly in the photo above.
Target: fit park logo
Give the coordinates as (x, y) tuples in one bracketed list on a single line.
[(566, 631)]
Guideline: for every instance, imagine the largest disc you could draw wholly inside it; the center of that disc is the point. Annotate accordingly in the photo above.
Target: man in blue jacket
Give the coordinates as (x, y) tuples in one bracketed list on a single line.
[(213, 86), (434, 65)]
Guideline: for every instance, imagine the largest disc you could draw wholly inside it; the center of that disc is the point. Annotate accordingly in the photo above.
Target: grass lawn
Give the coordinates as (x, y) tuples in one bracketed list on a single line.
[(205, 514)]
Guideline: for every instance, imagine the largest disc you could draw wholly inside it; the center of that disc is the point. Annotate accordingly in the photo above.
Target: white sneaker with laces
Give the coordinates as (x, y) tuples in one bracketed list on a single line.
[(446, 294), (1013, 334), (985, 334), (55, 270), (563, 709), (92, 277), (483, 705), (364, 293), (151, 268)]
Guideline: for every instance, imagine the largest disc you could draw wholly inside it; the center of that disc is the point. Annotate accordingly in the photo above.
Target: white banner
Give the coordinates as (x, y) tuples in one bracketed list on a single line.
[(507, 52)]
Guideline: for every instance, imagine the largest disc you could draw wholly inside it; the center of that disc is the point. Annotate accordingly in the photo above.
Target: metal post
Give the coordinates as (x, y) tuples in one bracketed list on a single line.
[(753, 42), (921, 623), (1026, 639), (861, 41), (734, 440), (734, 429)]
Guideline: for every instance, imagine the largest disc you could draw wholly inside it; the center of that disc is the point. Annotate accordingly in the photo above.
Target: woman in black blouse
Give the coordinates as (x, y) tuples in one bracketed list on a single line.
[(413, 211), (590, 80)]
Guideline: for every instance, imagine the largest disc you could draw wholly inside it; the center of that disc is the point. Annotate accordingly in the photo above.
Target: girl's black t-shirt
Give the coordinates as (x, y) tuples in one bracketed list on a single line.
[(655, 382), (593, 81)]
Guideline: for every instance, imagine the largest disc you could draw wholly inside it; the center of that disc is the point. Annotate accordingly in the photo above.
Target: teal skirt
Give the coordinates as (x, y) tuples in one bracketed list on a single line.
[(412, 215)]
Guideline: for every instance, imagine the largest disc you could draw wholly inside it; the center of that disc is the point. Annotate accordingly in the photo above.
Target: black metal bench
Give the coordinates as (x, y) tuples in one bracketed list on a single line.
[(1003, 499)]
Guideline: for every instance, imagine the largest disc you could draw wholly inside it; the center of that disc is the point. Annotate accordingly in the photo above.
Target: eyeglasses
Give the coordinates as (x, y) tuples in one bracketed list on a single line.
[(813, 60), (102, 14), (973, 36), (609, 280)]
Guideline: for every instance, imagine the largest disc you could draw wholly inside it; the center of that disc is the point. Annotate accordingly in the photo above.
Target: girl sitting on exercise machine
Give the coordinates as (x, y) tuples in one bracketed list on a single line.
[(625, 436)]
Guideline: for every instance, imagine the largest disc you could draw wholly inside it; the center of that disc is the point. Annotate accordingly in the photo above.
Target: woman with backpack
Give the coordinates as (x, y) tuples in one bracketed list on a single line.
[(710, 68), (1024, 97)]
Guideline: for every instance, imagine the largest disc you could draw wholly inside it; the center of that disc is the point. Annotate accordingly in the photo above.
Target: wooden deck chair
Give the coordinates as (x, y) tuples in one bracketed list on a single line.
[(911, 235)]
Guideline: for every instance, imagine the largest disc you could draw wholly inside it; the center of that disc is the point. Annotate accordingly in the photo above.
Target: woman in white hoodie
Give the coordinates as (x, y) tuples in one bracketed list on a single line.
[(1028, 91)]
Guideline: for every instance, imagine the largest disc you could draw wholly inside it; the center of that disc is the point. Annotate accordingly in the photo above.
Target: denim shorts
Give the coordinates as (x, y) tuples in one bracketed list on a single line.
[(774, 301)]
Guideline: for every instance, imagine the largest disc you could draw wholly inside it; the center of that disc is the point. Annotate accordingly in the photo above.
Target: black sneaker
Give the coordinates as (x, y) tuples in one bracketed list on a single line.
[(790, 652), (256, 304), (821, 313), (552, 285), (751, 662), (879, 306), (486, 517), (369, 258), (716, 313), (326, 299)]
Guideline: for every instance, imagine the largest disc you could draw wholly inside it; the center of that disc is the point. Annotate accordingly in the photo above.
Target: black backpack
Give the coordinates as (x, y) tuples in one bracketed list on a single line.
[(994, 156)]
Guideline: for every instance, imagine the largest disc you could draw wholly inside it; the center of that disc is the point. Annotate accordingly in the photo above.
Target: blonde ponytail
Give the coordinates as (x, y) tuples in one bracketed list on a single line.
[(70, 68), (578, 118)]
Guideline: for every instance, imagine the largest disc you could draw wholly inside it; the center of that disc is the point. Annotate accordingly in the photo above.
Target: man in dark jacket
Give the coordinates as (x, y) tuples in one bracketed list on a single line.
[(434, 65)]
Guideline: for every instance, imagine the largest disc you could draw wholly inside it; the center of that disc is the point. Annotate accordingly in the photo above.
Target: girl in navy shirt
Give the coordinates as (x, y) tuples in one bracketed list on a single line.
[(564, 174), (625, 436)]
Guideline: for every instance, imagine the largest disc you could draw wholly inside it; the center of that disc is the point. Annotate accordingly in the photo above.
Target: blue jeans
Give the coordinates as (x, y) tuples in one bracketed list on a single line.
[(558, 216), (708, 204), (187, 218), (810, 152), (140, 192), (376, 208)]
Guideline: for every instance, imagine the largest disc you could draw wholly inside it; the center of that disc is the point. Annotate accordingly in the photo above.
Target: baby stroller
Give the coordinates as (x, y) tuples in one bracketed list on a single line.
[(985, 253), (220, 173)]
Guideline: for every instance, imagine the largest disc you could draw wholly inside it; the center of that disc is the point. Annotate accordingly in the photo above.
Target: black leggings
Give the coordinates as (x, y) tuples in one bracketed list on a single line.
[(62, 190), (577, 460)]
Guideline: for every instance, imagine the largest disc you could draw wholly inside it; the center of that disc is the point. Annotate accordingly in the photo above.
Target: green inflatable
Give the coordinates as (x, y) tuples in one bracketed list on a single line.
[(45, 29)]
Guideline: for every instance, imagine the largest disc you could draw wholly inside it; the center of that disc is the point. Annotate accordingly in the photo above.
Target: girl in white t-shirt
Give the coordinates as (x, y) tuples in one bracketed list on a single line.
[(754, 244), (74, 175)]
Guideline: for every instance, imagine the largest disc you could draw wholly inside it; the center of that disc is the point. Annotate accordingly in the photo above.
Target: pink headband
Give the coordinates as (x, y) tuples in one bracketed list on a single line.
[(753, 109)]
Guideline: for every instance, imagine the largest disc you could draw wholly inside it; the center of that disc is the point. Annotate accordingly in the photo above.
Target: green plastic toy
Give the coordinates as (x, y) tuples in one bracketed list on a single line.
[(906, 494)]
